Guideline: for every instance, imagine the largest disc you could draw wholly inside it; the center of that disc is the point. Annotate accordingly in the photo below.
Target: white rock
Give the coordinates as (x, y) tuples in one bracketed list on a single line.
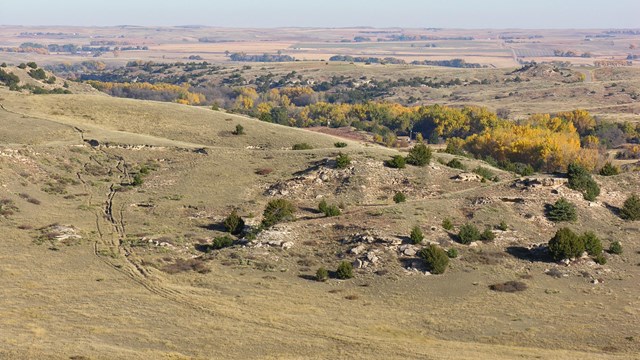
[(358, 249), (473, 244), (409, 252), (287, 245)]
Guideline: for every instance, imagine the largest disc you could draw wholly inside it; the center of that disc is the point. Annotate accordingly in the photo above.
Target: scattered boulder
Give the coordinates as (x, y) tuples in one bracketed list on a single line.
[(358, 249), (467, 176)]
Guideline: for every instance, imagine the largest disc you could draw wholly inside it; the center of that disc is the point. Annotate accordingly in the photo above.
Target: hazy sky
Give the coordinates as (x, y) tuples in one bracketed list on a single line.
[(328, 13)]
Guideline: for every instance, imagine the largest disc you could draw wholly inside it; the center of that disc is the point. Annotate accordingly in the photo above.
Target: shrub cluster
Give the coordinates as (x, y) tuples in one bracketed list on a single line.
[(485, 173), (447, 224), (581, 180), (436, 258), (631, 208), (416, 235), (562, 210), (487, 235), (239, 130), (399, 197), (340, 144), (277, 211), (615, 248), (221, 242), (396, 162), (345, 270), (609, 170), (567, 244), (234, 224), (419, 155), (328, 210), (342, 161), (322, 274), (456, 164), (38, 74), (468, 233)]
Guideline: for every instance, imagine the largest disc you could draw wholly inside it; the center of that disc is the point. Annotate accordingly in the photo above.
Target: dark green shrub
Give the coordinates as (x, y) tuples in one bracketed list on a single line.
[(221, 242), (591, 191), (416, 235), (522, 169), (503, 226), (419, 155), (562, 210), (581, 180), (322, 206), (436, 259), (396, 162), (592, 244), (631, 208), (32, 65), (137, 180), (322, 274), (51, 80), (452, 253), (215, 106), (342, 161), (484, 172), (302, 146), (566, 244), (277, 211), (332, 210), (8, 79), (22, 66), (239, 130), (38, 74), (609, 169), (487, 235), (345, 270), (340, 144), (4, 65), (615, 248), (234, 224), (600, 259), (468, 233), (447, 224), (328, 210), (399, 197), (456, 164)]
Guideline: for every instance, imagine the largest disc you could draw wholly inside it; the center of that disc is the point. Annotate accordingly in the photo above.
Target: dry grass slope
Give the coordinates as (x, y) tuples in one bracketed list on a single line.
[(104, 296)]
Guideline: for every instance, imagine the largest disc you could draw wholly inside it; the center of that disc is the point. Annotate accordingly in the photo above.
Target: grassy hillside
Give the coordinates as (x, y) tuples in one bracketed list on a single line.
[(93, 267)]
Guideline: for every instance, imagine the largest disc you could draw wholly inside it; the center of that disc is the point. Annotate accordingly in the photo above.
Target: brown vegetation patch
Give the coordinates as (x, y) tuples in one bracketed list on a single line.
[(181, 265), (509, 286)]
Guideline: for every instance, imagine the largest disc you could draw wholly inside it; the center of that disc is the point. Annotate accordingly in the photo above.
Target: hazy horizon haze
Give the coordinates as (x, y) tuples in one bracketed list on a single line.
[(467, 14)]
